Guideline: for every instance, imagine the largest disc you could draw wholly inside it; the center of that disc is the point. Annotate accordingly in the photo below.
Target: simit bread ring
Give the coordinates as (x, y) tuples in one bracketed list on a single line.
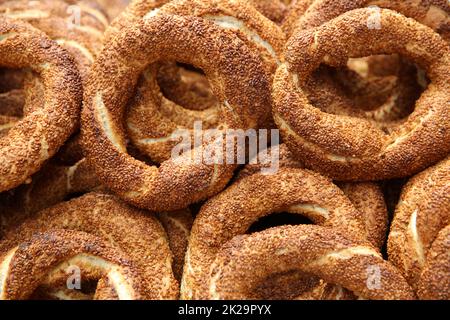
[(136, 233), (82, 39), (38, 136), (239, 82), (385, 99), (53, 184), (297, 9), (367, 197), (347, 148), (152, 118), (178, 226), (391, 109), (414, 245), (233, 211), (433, 13), (377, 88), (246, 260), (46, 256)]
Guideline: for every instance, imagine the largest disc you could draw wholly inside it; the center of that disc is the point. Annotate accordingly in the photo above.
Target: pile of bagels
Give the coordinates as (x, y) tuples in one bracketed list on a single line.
[(94, 205)]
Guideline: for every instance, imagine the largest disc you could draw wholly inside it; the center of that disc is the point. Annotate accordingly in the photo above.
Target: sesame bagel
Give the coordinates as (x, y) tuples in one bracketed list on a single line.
[(233, 211), (433, 13), (328, 254), (238, 79), (275, 10), (358, 89), (347, 148), (50, 186), (153, 119), (136, 233), (53, 251), (82, 39), (367, 197), (37, 137), (422, 212), (297, 9)]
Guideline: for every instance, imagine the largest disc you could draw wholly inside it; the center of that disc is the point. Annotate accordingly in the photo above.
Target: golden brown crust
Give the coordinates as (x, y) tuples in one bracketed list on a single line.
[(224, 59), (45, 256), (233, 211), (136, 233), (152, 119), (296, 11), (275, 10), (393, 94), (367, 197), (178, 226), (53, 184), (331, 255), (347, 148), (422, 212), (80, 33), (434, 283), (433, 13), (188, 88), (38, 136)]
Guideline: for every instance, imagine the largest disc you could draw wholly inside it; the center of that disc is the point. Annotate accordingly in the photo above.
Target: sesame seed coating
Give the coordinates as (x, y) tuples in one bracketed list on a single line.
[(353, 149), (136, 233), (192, 40), (37, 137), (414, 245)]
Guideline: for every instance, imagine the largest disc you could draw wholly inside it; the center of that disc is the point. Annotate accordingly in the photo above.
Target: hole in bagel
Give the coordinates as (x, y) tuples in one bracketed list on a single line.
[(278, 219), (186, 85), (21, 92), (381, 88), (11, 79), (87, 291)]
